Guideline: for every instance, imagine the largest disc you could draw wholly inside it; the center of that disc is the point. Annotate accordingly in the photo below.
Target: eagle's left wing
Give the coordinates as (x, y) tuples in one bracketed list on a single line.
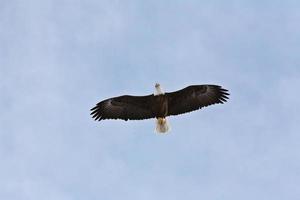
[(124, 107), (195, 97)]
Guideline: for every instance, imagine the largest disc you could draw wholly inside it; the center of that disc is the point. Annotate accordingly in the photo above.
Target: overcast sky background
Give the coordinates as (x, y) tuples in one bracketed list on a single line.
[(58, 58)]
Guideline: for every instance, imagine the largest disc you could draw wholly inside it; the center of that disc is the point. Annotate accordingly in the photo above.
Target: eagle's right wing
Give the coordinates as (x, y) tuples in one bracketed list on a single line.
[(124, 107), (195, 97)]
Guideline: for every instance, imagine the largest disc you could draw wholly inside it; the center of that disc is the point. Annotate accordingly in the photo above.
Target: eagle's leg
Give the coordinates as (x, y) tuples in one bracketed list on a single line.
[(162, 126)]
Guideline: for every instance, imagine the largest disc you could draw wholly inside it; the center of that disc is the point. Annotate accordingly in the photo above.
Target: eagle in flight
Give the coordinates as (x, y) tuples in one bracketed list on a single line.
[(160, 104)]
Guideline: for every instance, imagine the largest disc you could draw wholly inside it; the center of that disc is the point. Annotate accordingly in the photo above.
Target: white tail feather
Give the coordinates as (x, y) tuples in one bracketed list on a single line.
[(162, 125)]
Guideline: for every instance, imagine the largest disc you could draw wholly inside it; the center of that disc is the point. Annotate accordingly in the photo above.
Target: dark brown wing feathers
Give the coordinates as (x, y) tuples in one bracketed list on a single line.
[(195, 97), (124, 107), (140, 107)]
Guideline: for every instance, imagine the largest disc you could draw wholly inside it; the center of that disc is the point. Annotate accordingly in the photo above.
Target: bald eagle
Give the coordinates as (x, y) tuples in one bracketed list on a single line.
[(159, 105)]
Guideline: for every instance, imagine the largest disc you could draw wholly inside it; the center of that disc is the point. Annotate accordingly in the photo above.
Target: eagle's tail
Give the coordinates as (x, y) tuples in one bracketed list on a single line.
[(162, 126)]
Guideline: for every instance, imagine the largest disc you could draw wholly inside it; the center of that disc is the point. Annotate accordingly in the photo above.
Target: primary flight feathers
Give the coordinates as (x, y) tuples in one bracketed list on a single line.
[(159, 105)]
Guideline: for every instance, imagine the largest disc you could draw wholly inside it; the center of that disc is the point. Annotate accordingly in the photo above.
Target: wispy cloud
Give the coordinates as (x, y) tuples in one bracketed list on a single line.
[(58, 58)]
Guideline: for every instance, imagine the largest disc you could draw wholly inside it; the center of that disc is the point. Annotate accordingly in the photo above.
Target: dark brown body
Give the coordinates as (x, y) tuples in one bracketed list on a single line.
[(188, 99), (160, 106)]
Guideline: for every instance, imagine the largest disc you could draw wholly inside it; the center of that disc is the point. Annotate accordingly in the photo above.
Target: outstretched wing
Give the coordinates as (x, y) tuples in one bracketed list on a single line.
[(195, 97), (124, 107)]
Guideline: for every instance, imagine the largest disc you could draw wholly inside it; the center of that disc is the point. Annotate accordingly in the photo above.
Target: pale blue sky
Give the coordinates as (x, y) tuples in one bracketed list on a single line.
[(58, 58)]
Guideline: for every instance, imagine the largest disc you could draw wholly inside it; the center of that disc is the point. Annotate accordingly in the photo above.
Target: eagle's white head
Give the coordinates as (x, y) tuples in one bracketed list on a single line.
[(158, 90)]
